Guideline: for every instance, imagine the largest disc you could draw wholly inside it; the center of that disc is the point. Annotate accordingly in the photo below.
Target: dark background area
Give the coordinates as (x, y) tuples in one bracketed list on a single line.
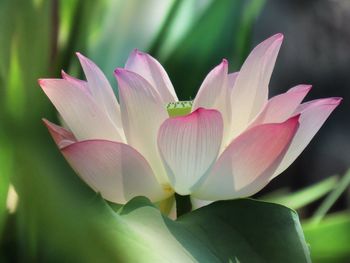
[(315, 51)]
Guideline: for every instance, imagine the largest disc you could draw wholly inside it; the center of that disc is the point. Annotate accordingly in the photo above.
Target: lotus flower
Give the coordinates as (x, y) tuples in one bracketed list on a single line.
[(230, 144)]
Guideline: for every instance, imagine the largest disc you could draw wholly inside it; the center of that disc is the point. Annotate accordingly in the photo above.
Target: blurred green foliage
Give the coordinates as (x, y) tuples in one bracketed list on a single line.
[(58, 218)]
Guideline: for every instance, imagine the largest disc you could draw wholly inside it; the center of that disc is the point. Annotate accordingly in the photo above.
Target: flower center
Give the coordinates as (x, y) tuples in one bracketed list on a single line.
[(179, 108)]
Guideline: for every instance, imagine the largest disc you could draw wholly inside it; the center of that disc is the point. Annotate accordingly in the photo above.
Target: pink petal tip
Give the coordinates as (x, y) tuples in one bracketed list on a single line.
[(279, 36)]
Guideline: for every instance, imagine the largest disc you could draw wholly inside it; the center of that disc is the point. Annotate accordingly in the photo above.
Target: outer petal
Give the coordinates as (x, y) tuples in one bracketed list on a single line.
[(313, 115), (101, 90), (78, 109), (214, 94), (250, 92), (189, 145), (282, 107), (248, 162), (150, 69), (115, 170), (60, 135), (142, 114)]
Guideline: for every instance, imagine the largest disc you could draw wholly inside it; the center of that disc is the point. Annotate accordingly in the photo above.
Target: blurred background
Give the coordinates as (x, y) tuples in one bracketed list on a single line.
[(38, 38)]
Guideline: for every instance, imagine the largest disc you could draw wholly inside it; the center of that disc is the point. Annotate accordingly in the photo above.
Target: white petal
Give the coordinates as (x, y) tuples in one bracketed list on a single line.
[(142, 114), (151, 70), (101, 90), (189, 145), (250, 92), (78, 109), (313, 115), (214, 94), (248, 162), (115, 170)]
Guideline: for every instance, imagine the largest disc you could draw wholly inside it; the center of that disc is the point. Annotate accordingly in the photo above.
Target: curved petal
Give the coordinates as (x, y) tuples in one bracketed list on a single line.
[(283, 106), (77, 82), (115, 170), (313, 115), (214, 94), (78, 109), (101, 90), (142, 114), (189, 145), (151, 70), (60, 135), (231, 80), (248, 162), (250, 92)]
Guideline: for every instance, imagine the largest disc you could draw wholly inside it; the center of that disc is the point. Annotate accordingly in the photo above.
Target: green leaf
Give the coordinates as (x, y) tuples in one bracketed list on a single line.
[(305, 196), (229, 231), (329, 240)]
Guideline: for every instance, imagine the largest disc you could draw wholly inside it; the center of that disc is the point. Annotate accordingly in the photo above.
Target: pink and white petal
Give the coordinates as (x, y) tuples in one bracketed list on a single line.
[(151, 70), (79, 111), (227, 138), (313, 115), (115, 170), (101, 90), (198, 203), (281, 107), (77, 82), (214, 94), (142, 112), (213, 91), (231, 80), (189, 145), (250, 91), (247, 164), (60, 135)]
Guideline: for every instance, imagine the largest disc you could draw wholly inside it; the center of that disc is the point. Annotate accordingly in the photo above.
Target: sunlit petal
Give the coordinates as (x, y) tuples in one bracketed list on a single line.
[(249, 161), (151, 70), (101, 90), (78, 109), (189, 145), (250, 92), (283, 106), (115, 170), (313, 115), (142, 112), (214, 94)]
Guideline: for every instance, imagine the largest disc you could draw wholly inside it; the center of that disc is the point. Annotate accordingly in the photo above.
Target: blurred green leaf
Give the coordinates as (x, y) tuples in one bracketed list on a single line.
[(120, 26), (305, 196), (331, 198), (212, 37), (5, 172), (180, 19), (329, 240), (25, 53)]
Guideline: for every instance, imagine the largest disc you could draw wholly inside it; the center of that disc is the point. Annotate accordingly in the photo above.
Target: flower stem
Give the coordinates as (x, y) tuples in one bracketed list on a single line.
[(183, 204)]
